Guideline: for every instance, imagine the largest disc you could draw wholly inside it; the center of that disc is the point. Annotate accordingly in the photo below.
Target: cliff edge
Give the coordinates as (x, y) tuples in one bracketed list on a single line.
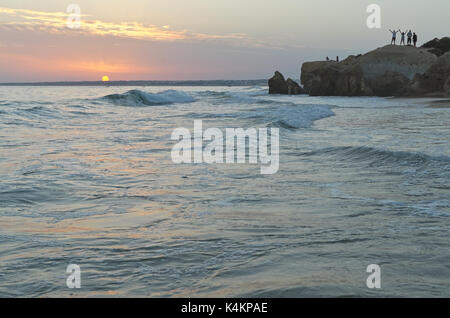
[(391, 70)]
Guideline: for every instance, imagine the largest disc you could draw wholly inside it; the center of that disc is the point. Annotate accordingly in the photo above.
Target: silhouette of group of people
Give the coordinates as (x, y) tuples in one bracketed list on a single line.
[(412, 37), (337, 59)]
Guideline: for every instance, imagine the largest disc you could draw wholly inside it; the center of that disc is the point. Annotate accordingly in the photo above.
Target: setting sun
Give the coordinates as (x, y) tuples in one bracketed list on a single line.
[(105, 78)]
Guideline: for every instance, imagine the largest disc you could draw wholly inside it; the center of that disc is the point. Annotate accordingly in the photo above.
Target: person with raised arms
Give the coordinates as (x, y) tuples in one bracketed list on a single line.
[(394, 36), (402, 40)]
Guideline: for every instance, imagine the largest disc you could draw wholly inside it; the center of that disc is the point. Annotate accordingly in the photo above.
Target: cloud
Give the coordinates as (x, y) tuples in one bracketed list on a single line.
[(56, 22)]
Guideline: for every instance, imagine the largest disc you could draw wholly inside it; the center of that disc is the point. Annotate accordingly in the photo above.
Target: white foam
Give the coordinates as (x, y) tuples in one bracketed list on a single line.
[(141, 98), (300, 116)]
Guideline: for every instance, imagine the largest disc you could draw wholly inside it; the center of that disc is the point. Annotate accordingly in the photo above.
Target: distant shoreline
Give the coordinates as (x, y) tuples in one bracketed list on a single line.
[(147, 83)]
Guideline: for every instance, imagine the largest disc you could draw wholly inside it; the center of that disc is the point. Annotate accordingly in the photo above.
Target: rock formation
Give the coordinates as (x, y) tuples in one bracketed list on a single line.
[(392, 70), (433, 80), (293, 87), (387, 71), (278, 85), (389, 84), (332, 78), (447, 87), (438, 46)]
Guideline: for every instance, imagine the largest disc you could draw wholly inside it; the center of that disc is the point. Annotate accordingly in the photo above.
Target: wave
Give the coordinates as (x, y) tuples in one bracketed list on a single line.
[(300, 116), (140, 98), (288, 117), (228, 97), (380, 156), (243, 97), (287, 112)]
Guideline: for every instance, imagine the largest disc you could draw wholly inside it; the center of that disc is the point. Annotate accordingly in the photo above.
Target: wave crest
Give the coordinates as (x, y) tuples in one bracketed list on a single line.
[(380, 156), (301, 116), (140, 98)]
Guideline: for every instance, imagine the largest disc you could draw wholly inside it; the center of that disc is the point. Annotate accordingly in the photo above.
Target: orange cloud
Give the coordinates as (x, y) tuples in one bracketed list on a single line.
[(56, 22)]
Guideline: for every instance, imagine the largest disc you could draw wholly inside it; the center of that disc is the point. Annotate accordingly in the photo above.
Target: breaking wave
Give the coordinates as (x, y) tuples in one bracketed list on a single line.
[(299, 116), (140, 98)]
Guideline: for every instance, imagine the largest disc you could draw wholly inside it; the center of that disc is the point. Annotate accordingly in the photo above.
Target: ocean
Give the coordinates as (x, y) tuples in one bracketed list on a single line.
[(87, 178)]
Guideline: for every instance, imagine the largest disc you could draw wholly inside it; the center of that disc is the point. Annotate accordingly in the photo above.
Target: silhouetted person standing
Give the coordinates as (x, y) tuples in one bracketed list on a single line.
[(415, 39), (337, 58), (402, 41), (409, 37), (394, 36)]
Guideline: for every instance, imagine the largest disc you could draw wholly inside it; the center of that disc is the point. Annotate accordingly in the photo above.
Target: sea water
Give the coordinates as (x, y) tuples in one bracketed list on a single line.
[(87, 179)]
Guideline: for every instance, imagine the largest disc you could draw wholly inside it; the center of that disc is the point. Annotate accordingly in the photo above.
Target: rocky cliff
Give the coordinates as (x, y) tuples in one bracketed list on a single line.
[(447, 87), (391, 70), (433, 80)]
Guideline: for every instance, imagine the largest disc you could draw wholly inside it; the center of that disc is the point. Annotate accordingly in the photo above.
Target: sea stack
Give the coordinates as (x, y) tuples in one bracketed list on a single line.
[(278, 85)]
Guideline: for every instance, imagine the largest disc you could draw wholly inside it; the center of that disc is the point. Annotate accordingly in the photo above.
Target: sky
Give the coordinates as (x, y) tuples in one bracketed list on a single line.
[(196, 39)]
